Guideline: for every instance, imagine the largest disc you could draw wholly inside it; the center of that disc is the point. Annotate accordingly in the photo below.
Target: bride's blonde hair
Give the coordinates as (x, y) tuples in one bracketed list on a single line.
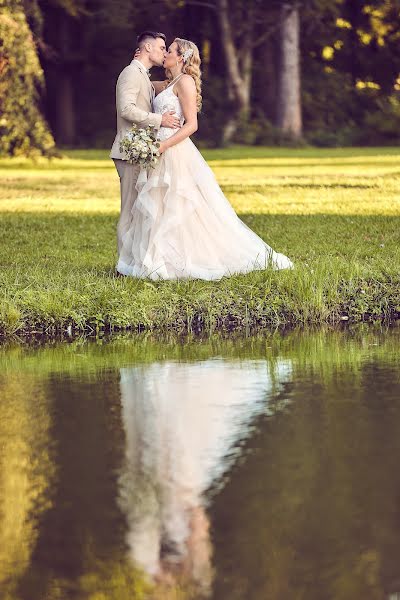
[(191, 65)]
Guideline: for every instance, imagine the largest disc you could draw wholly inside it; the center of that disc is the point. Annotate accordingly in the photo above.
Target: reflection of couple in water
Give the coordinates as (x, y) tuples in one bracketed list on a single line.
[(182, 421)]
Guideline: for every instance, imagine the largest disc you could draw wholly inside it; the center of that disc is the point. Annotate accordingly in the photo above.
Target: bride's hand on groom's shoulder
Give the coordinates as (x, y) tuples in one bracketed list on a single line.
[(137, 53)]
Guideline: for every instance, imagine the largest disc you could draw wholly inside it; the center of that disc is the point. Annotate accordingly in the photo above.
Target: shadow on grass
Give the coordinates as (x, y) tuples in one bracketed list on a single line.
[(256, 152), (87, 242), (254, 188), (226, 163), (300, 163), (59, 166), (70, 223)]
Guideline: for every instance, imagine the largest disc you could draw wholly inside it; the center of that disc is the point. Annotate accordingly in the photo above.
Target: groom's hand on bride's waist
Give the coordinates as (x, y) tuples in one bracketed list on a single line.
[(169, 119)]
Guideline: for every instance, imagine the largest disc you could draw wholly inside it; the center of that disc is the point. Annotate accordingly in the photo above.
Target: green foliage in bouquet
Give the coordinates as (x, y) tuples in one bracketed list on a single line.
[(23, 130), (140, 146)]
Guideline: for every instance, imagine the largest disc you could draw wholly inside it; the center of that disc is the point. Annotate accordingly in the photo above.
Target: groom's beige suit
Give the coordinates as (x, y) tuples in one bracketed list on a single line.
[(134, 96)]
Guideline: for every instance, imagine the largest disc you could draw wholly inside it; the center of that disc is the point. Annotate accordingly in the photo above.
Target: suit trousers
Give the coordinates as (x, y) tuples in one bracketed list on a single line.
[(128, 175)]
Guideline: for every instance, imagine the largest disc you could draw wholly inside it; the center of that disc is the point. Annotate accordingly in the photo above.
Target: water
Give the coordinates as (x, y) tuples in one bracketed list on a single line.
[(257, 468)]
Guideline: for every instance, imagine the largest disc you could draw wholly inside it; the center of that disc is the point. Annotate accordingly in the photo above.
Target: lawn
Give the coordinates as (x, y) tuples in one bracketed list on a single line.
[(334, 212)]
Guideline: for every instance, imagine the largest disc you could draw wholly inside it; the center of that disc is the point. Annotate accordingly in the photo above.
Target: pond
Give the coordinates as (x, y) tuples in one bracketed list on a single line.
[(230, 468)]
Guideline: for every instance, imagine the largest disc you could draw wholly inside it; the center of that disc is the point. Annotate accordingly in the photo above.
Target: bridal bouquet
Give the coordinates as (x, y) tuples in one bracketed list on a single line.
[(140, 146)]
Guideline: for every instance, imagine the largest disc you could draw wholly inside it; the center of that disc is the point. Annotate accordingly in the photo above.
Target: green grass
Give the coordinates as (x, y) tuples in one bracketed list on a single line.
[(335, 213)]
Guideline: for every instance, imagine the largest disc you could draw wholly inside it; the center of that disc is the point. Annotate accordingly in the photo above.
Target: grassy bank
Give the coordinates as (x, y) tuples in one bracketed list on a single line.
[(335, 213)]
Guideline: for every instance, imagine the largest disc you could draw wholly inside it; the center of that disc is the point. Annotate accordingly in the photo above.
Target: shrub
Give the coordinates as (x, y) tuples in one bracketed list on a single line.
[(23, 130)]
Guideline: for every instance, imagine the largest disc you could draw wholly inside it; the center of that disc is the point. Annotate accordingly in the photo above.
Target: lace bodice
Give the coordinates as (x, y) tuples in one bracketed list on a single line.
[(163, 102)]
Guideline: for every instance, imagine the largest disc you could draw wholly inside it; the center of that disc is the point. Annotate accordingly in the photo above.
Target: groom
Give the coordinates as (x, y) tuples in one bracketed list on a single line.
[(134, 96)]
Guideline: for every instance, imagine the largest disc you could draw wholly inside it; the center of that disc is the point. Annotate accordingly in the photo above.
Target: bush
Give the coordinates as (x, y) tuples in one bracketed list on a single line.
[(23, 130), (259, 131), (213, 114), (382, 126)]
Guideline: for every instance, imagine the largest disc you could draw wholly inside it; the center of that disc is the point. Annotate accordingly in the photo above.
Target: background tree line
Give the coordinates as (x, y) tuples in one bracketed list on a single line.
[(323, 71)]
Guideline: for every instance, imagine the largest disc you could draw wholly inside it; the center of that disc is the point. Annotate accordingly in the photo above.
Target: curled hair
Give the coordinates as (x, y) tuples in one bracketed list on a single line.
[(191, 66)]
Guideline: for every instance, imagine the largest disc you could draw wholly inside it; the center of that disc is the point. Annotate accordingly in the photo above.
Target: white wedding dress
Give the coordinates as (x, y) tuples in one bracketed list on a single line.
[(182, 225)]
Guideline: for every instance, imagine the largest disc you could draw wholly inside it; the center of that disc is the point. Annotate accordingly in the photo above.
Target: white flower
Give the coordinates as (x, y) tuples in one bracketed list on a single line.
[(187, 54), (139, 146)]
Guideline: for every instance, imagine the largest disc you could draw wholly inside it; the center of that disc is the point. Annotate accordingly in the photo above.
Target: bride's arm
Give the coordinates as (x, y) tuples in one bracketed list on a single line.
[(187, 95)]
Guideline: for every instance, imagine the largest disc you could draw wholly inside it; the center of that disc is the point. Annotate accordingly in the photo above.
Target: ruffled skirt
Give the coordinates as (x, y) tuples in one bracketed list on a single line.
[(183, 226)]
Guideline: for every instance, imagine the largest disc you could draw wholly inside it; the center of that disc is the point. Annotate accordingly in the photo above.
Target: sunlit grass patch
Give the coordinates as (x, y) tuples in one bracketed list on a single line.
[(335, 213)]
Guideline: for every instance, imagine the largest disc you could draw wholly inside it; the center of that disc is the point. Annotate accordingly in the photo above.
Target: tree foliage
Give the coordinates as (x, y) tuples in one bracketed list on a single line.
[(23, 129), (349, 73)]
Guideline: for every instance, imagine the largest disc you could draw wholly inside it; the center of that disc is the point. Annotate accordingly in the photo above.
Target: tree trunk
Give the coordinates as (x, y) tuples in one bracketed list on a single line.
[(65, 111), (266, 77), (289, 101), (65, 121), (238, 70)]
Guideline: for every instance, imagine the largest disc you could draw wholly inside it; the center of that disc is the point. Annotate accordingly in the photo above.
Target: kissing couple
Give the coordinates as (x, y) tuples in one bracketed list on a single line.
[(175, 222)]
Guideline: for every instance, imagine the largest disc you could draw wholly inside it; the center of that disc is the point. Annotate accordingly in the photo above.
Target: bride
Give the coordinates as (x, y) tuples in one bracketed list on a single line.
[(182, 225)]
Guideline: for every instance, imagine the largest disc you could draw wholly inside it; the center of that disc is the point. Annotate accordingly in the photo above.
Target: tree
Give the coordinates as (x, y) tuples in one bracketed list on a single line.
[(80, 35), (370, 36), (289, 102), (270, 68), (245, 27), (238, 65), (23, 129)]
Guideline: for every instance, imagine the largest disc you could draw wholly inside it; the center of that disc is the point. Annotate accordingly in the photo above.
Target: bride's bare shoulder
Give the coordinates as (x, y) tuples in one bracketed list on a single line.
[(185, 84), (185, 80)]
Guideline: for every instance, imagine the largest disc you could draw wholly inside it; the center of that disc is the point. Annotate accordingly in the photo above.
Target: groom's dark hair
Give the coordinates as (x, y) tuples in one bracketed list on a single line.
[(149, 34)]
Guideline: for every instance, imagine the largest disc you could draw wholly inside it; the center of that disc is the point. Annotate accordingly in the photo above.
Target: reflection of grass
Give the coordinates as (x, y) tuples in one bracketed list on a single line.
[(322, 349), (336, 213)]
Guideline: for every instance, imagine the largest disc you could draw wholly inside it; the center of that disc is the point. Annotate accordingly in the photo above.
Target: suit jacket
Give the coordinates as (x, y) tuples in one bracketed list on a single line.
[(134, 95)]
